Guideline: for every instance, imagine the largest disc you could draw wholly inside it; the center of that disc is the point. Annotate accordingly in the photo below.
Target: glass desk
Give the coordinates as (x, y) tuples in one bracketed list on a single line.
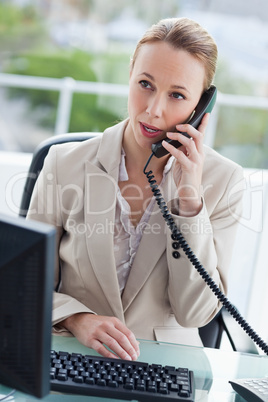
[(212, 369)]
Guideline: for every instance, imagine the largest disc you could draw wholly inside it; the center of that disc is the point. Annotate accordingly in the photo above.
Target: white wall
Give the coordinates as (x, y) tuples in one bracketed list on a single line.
[(13, 171), (248, 279)]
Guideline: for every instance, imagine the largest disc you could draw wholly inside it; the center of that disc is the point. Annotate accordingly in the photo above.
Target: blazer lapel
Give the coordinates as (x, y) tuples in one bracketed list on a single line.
[(145, 259), (100, 202), (154, 238), (99, 218)]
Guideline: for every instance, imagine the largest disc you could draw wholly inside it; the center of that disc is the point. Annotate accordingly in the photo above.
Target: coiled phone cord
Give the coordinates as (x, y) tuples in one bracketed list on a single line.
[(195, 262)]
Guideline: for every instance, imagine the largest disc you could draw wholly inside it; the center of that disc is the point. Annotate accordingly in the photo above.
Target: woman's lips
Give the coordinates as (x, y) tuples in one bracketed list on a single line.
[(150, 131)]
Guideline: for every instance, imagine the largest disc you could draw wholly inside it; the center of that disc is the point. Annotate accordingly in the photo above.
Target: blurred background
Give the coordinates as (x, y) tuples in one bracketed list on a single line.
[(91, 41), (64, 67)]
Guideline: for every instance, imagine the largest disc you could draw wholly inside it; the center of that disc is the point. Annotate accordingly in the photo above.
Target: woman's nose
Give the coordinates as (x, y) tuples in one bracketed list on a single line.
[(156, 106)]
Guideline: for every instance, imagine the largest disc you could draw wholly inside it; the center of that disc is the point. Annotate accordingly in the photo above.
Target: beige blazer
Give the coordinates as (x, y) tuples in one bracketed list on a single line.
[(164, 297)]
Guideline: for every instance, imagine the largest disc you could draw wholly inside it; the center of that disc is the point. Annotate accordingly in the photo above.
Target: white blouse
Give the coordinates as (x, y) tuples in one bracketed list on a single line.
[(126, 236)]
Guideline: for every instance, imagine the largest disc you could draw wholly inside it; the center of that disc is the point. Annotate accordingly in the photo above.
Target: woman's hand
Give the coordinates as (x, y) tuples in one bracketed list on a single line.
[(189, 166), (97, 332)]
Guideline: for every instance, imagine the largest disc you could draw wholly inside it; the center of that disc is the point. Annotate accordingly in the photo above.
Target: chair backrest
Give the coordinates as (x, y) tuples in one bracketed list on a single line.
[(223, 323), (38, 160), (211, 334)]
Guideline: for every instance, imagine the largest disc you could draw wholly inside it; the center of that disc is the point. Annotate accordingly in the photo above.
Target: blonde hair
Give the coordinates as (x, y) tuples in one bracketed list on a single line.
[(184, 34)]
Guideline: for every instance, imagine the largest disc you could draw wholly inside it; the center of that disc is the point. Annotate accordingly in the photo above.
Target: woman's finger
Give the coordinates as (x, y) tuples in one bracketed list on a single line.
[(118, 338), (118, 343)]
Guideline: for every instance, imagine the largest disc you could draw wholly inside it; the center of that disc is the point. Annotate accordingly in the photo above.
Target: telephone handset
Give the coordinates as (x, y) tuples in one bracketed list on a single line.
[(205, 105)]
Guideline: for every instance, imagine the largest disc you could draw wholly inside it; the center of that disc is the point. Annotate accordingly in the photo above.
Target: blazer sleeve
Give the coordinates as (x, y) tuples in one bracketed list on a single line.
[(45, 206), (210, 236)]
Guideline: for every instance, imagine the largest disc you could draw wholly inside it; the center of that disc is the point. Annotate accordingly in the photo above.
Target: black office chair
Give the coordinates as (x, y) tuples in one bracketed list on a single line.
[(211, 334), (38, 160)]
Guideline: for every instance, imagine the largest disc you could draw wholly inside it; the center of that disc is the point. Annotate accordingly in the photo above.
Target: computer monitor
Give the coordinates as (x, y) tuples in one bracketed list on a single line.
[(27, 260)]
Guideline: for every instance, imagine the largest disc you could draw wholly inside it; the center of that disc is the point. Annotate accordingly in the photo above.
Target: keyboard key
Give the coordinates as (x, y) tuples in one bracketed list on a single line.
[(78, 379), (101, 382), (62, 377), (90, 381), (113, 384)]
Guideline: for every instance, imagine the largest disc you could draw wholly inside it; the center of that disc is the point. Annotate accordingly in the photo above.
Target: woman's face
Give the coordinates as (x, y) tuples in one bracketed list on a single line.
[(164, 88)]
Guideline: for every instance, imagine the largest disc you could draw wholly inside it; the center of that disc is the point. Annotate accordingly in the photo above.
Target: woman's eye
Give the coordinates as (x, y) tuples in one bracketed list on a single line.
[(145, 84), (177, 95)]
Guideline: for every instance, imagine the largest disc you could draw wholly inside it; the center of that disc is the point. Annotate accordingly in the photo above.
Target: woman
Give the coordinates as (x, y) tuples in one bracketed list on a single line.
[(119, 276)]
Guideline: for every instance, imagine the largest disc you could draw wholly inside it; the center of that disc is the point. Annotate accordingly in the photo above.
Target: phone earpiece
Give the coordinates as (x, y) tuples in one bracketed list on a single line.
[(205, 105), (190, 118)]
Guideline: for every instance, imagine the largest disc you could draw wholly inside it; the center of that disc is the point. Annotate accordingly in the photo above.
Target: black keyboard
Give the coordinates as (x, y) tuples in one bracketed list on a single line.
[(120, 379)]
